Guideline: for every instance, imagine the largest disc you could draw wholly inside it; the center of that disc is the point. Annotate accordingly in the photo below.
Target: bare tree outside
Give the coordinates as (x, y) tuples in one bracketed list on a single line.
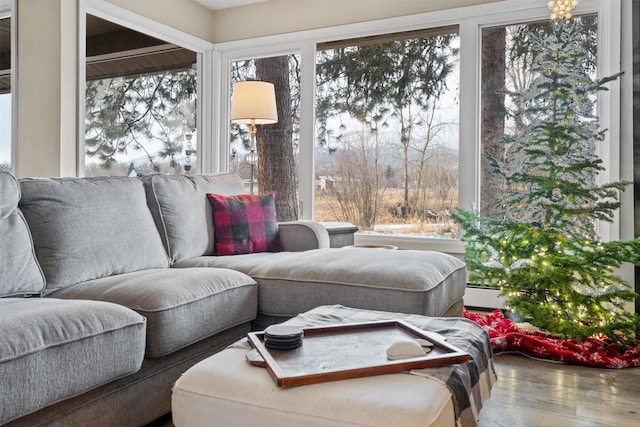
[(356, 184)]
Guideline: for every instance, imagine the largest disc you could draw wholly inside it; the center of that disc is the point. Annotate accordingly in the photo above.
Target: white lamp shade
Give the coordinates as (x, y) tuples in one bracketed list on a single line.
[(254, 102)]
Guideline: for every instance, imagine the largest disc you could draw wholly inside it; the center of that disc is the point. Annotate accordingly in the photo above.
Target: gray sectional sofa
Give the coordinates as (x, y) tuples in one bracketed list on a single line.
[(110, 289)]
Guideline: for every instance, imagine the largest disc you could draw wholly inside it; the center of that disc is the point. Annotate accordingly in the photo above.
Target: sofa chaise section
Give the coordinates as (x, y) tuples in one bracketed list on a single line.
[(428, 283), (308, 273)]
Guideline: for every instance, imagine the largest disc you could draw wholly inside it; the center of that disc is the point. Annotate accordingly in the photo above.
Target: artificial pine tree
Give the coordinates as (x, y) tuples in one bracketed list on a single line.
[(543, 251)]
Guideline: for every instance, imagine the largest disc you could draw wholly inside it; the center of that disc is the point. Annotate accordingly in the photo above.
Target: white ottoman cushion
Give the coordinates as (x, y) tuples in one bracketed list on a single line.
[(225, 390)]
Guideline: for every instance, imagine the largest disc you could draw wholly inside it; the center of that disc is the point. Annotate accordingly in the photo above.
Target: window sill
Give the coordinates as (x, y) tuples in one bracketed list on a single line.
[(453, 247)]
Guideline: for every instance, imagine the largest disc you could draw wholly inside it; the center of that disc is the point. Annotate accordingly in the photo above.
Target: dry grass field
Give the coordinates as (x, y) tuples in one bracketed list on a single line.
[(327, 208)]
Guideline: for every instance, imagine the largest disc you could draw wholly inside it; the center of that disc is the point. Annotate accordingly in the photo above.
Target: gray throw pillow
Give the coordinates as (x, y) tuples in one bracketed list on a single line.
[(20, 273)]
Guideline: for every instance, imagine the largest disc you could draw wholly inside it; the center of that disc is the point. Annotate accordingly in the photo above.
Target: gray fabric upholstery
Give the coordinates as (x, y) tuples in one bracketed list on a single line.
[(88, 228), (54, 349), (182, 306), (182, 212), (183, 215), (418, 282), (20, 273), (135, 400), (303, 235), (107, 239)]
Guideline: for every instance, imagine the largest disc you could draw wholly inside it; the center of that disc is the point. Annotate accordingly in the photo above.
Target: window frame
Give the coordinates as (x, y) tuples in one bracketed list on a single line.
[(205, 118), (8, 8), (470, 21)]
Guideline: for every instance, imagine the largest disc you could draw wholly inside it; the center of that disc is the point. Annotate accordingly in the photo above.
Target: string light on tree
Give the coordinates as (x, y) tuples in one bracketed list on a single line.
[(561, 9)]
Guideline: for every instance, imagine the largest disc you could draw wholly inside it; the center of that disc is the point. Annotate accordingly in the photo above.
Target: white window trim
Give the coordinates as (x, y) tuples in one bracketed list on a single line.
[(8, 9), (470, 20), (206, 122)]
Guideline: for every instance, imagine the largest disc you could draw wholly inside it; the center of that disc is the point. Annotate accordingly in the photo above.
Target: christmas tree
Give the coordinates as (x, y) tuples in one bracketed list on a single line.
[(543, 251)]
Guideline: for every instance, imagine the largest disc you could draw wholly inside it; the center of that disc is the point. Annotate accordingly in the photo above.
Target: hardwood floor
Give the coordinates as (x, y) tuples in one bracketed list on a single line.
[(532, 393)]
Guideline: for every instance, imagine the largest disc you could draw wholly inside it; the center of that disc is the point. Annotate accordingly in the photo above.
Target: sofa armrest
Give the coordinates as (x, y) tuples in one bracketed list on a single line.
[(302, 235)]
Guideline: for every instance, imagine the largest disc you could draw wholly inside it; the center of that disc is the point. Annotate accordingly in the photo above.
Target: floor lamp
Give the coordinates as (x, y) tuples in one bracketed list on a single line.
[(253, 102)]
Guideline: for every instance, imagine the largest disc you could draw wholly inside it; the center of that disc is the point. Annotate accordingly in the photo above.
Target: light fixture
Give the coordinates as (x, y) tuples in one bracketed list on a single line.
[(561, 9), (253, 102)]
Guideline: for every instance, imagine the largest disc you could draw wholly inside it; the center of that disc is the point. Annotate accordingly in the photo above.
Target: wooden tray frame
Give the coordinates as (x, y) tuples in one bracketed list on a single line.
[(280, 363)]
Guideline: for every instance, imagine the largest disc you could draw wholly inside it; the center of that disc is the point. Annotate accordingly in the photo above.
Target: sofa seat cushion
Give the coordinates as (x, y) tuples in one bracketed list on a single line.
[(52, 349), (20, 273), (182, 306), (89, 228), (418, 282)]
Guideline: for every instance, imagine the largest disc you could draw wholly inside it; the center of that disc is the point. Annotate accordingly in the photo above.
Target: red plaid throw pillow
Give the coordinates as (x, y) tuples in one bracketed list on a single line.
[(245, 224)]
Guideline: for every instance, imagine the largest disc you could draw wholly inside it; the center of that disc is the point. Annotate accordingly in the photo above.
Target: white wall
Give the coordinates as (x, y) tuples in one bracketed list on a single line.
[(185, 15), (47, 75), (284, 16), (46, 81)]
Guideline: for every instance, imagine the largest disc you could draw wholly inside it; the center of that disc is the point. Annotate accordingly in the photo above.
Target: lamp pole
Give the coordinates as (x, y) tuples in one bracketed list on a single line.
[(252, 156)]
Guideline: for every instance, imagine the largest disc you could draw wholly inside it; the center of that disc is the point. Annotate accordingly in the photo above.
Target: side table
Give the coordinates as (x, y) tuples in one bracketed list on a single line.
[(340, 233)]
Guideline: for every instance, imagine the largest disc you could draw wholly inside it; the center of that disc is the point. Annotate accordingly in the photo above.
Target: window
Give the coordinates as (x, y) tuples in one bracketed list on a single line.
[(141, 109), (387, 122), (398, 167), (273, 166), (507, 62), (5, 87)]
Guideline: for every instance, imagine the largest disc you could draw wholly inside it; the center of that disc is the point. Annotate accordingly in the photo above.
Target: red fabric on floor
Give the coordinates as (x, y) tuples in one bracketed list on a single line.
[(506, 336)]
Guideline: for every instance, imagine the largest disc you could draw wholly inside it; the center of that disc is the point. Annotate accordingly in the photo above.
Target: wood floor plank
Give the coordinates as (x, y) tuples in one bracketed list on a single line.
[(534, 393)]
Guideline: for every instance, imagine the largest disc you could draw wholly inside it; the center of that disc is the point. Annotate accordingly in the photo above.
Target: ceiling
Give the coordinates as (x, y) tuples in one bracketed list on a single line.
[(226, 4), (113, 50)]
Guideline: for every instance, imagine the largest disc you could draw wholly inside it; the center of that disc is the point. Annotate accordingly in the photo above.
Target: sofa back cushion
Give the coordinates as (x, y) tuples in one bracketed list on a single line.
[(89, 228), (182, 212), (20, 273)]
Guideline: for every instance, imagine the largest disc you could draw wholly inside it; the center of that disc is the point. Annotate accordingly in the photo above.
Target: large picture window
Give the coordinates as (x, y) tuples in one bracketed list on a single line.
[(141, 103), (5, 88), (274, 160), (507, 56), (397, 116), (387, 146)]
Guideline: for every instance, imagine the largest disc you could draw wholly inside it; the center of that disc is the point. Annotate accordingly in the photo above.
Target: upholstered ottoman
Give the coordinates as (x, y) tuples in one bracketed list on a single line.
[(225, 390)]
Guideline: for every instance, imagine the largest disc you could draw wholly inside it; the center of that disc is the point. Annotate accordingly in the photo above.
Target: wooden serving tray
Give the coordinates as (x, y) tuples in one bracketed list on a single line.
[(338, 352)]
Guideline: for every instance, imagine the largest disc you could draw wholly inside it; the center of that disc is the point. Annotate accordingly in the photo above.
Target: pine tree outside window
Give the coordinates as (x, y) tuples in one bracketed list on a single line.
[(141, 103), (507, 67)]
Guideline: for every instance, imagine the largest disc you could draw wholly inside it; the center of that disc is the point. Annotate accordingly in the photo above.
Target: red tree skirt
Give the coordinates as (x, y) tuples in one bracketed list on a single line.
[(506, 336)]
